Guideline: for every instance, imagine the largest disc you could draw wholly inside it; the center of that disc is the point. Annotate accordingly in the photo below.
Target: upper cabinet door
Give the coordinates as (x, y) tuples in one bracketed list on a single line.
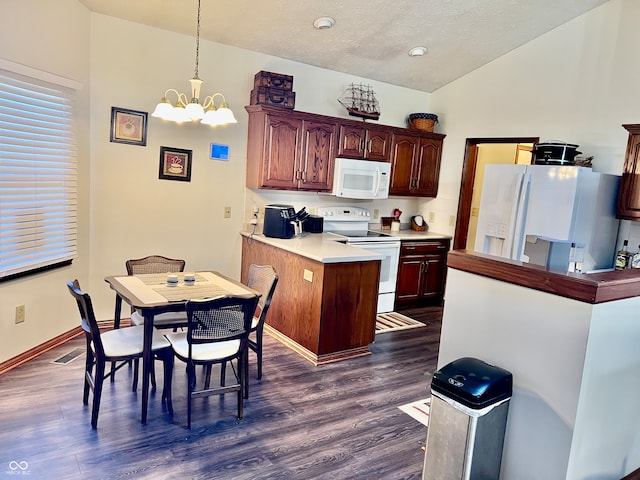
[(377, 144), (403, 155), (318, 152), (351, 142), (427, 169), (629, 193), (282, 152)]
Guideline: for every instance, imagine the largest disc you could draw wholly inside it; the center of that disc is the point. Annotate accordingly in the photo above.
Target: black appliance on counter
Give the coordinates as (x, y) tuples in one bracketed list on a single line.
[(279, 221), (313, 224)]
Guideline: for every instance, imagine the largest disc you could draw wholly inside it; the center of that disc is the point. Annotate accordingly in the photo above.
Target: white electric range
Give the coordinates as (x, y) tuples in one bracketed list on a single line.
[(350, 225)]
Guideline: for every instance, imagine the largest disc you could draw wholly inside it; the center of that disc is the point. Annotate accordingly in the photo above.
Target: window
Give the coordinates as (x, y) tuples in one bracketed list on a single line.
[(38, 171)]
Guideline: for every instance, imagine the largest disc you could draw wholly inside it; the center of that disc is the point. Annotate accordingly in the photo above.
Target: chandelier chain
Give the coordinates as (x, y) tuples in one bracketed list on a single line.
[(197, 41)]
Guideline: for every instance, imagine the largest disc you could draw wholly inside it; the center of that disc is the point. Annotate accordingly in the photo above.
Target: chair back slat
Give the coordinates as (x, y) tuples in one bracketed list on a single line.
[(87, 316), (220, 319), (154, 264), (263, 279)]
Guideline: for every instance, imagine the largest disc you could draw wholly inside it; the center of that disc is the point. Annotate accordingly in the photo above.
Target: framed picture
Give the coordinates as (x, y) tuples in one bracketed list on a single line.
[(128, 126), (175, 164)]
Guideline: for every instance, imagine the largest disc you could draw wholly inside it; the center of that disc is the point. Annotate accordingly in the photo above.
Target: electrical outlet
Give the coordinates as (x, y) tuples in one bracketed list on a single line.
[(452, 220), (256, 211), (227, 212), (432, 217), (376, 213), (20, 314)]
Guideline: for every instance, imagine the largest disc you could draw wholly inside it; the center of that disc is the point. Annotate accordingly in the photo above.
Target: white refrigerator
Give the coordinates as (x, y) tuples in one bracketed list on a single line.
[(561, 217)]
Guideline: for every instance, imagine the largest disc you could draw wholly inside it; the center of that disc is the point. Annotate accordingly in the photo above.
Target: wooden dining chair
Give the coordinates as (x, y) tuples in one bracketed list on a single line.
[(217, 332), (263, 279), (119, 346), (157, 264)]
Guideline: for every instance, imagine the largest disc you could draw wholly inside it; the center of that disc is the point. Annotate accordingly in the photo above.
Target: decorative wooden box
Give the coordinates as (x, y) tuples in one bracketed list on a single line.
[(273, 80), (275, 97)]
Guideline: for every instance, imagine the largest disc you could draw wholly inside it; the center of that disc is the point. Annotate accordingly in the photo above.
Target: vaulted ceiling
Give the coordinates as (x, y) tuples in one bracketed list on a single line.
[(370, 38)]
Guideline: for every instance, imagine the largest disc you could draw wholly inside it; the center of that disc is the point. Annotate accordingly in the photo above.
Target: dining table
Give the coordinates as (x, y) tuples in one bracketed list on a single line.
[(152, 294)]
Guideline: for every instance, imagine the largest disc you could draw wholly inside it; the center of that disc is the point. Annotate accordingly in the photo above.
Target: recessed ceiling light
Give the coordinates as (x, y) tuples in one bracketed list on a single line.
[(323, 23), (417, 51)]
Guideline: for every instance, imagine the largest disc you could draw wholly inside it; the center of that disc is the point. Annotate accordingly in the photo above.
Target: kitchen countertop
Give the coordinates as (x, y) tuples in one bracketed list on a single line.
[(320, 247), (414, 235)]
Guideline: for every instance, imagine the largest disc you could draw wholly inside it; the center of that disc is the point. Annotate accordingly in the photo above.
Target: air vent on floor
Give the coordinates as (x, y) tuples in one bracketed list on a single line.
[(69, 356)]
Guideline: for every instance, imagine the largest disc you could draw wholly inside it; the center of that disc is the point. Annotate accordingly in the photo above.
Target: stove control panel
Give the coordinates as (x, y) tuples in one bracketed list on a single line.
[(345, 214)]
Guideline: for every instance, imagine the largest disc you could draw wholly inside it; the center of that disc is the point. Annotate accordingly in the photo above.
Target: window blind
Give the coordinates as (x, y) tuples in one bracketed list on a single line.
[(38, 174)]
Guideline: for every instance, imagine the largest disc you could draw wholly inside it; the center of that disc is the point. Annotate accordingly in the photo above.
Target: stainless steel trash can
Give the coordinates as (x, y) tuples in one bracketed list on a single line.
[(469, 405)]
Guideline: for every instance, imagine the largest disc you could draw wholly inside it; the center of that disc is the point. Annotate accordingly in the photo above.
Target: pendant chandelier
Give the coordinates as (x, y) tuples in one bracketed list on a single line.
[(192, 110)]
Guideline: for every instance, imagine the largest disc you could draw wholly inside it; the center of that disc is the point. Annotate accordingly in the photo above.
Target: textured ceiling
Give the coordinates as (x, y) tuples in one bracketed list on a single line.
[(371, 38)]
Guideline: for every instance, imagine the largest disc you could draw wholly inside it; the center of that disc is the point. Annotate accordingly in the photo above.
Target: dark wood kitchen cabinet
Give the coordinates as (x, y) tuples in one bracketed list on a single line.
[(415, 164), (292, 150), (422, 272), (364, 142), (629, 192), (325, 312), (287, 151)]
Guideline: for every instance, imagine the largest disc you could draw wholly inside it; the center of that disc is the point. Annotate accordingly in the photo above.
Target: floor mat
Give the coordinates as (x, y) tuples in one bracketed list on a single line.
[(418, 410), (393, 321)]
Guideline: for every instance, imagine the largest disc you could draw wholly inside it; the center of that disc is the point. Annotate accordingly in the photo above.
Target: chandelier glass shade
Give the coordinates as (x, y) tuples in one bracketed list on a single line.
[(189, 109)]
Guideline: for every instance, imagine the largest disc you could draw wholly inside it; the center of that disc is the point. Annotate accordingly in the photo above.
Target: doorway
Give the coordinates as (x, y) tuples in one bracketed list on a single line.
[(473, 167)]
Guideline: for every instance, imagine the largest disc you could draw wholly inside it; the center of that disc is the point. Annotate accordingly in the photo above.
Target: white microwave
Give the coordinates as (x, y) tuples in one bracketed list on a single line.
[(361, 178)]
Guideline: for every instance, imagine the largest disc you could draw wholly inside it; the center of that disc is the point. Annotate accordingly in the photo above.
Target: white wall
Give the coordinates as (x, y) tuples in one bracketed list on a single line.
[(577, 83), (52, 37)]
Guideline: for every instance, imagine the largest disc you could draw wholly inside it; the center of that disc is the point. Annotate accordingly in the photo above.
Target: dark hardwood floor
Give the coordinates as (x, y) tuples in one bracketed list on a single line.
[(337, 421)]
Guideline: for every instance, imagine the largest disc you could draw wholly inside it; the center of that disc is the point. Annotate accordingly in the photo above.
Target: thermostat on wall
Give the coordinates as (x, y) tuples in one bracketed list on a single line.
[(219, 152)]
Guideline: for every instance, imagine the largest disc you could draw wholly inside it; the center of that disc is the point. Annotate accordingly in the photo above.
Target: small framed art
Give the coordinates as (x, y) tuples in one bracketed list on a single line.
[(175, 164), (128, 126)]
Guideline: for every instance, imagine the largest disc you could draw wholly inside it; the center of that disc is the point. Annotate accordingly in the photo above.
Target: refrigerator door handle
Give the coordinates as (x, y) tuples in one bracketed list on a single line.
[(518, 212)]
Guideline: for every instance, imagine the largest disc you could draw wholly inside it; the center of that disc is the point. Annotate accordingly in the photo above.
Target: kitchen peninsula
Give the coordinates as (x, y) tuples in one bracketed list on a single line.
[(572, 344), (324, 306)]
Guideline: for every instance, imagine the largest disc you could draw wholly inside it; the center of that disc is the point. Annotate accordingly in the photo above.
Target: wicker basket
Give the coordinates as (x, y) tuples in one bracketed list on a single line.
[(425, 122)]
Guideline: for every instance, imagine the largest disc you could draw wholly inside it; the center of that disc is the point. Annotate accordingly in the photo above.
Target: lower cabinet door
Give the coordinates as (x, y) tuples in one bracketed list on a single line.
[(409, 285), (433, 276)]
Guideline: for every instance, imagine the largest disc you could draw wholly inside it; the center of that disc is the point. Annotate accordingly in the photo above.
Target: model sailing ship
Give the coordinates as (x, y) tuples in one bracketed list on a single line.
[(360, 101)]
